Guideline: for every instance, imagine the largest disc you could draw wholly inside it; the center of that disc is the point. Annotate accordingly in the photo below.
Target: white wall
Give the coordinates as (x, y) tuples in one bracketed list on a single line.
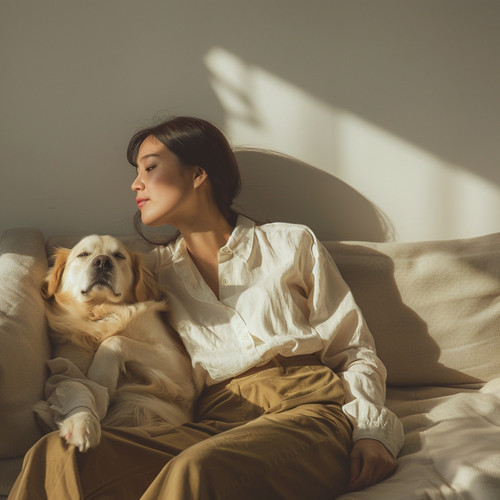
[(386, 113)]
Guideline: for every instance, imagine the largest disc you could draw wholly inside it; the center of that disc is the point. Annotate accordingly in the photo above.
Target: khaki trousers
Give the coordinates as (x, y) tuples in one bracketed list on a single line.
[(275, 433)]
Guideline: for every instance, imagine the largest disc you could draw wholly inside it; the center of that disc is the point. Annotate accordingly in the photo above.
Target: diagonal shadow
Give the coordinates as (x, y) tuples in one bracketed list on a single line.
[(281, 188)]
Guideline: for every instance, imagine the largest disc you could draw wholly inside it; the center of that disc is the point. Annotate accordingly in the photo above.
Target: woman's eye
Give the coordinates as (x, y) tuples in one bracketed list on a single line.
[(118, 255), (83, 254), (150, 168)]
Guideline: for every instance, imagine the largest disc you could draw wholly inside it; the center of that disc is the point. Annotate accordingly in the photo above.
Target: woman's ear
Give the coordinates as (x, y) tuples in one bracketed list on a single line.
[(52, 281), (200, 176)]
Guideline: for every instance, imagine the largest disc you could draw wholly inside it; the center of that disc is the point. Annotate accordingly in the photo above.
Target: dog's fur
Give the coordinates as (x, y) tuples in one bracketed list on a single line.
[(104, 311)]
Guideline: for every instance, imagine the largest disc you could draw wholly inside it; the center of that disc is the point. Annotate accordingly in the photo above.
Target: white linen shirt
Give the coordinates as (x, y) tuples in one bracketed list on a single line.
[(279, 293)]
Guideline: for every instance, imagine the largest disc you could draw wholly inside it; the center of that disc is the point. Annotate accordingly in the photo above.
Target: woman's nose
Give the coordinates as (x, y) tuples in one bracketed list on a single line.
[(137, 185)]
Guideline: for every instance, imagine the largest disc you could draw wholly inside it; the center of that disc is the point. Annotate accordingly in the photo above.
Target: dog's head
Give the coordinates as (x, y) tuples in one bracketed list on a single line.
[(99, 269)]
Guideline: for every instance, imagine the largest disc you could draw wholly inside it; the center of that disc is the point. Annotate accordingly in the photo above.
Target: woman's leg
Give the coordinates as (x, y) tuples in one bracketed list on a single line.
[(43, 473), (121, 467), (295, 445), (296, 454)]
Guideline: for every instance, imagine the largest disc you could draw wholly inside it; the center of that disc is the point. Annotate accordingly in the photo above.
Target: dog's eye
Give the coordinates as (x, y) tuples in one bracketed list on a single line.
[(118, 255), (83, 254)]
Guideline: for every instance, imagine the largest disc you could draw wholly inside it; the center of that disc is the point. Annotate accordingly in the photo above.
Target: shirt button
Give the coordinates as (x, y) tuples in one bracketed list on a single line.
[(225, 281), (226, 250)]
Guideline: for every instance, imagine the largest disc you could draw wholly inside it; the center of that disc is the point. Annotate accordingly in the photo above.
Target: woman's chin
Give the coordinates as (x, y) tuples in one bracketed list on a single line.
[(150, 222)]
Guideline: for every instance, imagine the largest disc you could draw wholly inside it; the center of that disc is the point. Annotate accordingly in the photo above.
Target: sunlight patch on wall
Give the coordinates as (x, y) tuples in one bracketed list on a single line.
[(423, 196)]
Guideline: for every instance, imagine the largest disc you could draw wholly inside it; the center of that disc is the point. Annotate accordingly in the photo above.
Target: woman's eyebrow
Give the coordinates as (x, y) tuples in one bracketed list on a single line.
[(148, 156)]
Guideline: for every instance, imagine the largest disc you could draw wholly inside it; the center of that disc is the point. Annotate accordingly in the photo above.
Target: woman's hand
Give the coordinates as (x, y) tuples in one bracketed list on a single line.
[(371, 462)]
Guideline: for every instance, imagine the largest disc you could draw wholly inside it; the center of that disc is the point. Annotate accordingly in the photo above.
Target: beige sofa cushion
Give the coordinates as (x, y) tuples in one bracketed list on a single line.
[(24, 344), (433, 307)]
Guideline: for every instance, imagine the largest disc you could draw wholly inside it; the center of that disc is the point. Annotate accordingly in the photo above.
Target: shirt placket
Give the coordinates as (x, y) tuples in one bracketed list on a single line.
[(227, 273)]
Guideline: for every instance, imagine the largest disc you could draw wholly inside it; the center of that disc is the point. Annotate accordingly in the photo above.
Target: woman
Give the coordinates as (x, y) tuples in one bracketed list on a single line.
[(292, 404)]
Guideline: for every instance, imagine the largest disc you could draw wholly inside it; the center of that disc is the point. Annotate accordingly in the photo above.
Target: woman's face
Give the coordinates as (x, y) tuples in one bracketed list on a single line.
[(164, 187)]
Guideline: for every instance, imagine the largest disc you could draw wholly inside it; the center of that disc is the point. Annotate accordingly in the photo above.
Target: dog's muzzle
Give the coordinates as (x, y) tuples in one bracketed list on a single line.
[(102, 263), (102, 274)]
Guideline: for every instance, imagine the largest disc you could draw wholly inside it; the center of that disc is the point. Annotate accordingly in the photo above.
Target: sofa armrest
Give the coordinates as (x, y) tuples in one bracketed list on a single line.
[(23, 337)]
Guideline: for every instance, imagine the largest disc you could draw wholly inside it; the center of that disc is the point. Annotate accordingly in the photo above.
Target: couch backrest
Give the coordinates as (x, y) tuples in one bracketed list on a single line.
[(433, 307)]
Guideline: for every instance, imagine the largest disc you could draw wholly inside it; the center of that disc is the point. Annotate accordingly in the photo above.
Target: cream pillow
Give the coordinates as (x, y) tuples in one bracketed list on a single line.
[(433, 307), (23, 340)]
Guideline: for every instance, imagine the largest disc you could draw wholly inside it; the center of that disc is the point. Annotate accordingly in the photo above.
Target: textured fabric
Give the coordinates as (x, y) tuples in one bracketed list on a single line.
[(276, 434), (433, 307), (67, 391), (401, 289), (24, 344), (279, 293), (452, 447)]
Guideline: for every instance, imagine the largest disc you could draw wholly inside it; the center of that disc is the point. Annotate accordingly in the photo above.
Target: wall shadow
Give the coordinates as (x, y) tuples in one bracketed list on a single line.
[(277, 187), (373, 62)]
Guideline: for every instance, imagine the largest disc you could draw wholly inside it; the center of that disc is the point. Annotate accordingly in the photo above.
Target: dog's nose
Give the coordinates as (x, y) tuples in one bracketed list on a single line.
[(102, 262)]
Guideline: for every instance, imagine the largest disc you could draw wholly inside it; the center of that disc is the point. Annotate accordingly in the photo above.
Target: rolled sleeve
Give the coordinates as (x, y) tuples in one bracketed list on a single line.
[(349, 350), (67, 391)]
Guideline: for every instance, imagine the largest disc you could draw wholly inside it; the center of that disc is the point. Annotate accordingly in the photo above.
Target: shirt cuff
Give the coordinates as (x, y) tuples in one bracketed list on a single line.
[(372, 421), (388, 439)]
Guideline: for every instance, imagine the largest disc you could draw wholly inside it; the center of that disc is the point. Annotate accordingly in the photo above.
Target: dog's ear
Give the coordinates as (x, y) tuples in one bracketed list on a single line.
[(52, 281), (146, 287)]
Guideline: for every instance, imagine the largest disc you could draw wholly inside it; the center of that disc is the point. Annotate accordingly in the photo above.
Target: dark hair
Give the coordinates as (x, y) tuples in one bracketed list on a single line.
[(197, 142)]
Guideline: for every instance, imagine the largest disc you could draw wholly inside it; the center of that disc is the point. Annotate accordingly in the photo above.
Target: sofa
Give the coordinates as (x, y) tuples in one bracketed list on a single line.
[(434, 311)]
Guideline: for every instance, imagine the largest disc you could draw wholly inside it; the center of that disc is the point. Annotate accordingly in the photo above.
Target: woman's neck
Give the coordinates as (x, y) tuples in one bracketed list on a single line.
[(207, 236), (203, 243)]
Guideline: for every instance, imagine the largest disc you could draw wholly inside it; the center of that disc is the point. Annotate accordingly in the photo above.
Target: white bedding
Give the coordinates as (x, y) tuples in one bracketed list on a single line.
[(452, 450)]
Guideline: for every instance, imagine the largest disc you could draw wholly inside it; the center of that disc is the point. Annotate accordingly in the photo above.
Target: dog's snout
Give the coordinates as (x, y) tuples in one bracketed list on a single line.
[(102, 262)]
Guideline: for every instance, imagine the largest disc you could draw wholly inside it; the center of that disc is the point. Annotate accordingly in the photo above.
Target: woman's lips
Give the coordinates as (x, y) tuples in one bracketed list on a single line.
[(141, 202)]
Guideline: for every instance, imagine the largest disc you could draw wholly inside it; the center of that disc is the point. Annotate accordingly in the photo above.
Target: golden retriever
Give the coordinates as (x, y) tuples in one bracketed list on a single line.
[(104, 311)]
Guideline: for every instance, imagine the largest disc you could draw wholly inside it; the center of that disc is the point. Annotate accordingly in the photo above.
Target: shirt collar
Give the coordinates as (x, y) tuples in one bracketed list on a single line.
[(240, 241)]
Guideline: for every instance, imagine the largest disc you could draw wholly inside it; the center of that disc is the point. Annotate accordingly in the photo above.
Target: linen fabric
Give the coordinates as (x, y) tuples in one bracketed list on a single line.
[(67, 391), (279, 293)]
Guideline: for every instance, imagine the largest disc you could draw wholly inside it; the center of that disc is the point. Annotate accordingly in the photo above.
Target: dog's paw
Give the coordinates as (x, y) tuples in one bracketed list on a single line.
[(82, 430), (103, 311)]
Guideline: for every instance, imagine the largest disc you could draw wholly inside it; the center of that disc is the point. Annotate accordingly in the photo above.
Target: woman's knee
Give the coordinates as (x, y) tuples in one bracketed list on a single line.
[(199, 464), (52, 444), (194, 473)]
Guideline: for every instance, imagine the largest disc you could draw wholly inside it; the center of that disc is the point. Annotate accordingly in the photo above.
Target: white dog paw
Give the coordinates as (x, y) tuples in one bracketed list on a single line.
[(82, 430)]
